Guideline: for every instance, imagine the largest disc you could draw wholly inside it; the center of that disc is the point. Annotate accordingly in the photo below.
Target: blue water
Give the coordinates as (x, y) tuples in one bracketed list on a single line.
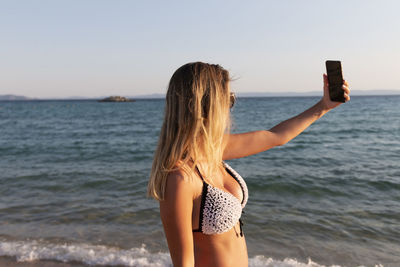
[(73, 178)]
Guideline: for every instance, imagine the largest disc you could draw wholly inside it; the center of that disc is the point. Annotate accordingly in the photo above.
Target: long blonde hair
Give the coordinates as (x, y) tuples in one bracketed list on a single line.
[(196, 119)]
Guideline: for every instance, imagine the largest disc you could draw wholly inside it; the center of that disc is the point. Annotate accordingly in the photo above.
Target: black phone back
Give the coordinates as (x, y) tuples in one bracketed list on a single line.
[(335, 79)]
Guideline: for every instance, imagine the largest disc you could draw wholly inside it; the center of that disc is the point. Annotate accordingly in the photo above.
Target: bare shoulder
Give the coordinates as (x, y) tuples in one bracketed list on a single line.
[(177, 177), (179, 185)]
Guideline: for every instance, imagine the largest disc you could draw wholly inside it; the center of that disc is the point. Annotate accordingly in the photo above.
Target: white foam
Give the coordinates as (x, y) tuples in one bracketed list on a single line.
[(261, 261), (104, 255), (86, 253)]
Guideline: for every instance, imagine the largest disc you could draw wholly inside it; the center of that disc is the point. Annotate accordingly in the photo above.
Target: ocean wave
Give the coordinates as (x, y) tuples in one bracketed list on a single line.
[(34, 250), (25, 251)]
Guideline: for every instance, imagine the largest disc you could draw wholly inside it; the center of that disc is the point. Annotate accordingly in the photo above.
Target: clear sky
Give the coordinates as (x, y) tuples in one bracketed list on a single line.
[(99, 48)]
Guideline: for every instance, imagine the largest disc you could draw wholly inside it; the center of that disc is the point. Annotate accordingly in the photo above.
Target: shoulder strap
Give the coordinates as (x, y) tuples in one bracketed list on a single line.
[(203, 200), (198, 171)]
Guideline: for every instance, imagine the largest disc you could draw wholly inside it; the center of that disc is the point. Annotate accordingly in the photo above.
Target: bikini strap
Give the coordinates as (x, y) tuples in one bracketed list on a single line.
[(203, 200), (198, 171)]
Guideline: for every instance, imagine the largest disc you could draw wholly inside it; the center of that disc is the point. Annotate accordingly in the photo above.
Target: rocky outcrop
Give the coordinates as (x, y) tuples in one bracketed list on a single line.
[(116, 99), (15, 97)]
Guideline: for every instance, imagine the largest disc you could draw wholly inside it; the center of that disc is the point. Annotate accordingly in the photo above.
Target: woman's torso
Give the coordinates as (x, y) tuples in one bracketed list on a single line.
[(227, 248)]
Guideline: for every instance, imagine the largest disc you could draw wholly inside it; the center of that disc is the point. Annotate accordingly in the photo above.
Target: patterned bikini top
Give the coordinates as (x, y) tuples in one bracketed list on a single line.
[(220, 210)]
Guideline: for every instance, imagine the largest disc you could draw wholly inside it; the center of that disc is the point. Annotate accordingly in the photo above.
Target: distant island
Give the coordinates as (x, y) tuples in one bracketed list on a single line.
[(15, 98), (116, 99)]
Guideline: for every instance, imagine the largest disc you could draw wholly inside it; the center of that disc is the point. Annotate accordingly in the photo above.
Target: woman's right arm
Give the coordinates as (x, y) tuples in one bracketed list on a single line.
[(250, 143), (176, 216)]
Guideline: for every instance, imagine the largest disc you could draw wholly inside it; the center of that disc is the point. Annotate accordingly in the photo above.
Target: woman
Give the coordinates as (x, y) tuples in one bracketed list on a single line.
[(201, 198)]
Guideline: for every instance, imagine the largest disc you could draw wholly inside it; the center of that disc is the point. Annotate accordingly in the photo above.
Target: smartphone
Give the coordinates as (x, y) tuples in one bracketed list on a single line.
[(335, 79)]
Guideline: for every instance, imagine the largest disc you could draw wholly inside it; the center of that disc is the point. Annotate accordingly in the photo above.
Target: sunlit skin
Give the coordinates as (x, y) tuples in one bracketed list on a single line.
[(180, 209)]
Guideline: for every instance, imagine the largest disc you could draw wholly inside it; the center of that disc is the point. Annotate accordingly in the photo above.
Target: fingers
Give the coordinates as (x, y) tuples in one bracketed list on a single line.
[(346, 90), (345, 87), (326, 83), (325, 78), (346, 97)]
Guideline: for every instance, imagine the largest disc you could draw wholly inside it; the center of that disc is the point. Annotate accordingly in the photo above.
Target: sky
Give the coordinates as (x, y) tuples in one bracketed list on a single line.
[(55, 49)]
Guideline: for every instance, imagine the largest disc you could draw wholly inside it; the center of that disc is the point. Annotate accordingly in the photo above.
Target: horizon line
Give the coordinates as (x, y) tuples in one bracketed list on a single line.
[(355, 92)]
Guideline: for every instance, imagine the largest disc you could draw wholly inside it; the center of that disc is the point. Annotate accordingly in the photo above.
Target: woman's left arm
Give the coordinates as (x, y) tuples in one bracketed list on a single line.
[(250, 143)]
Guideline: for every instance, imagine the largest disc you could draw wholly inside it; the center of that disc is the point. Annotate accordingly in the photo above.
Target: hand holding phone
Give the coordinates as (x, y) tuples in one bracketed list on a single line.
[(335, 80)]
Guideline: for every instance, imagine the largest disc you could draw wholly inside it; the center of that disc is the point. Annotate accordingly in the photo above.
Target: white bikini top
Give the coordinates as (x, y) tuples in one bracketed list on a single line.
[(220, 210)]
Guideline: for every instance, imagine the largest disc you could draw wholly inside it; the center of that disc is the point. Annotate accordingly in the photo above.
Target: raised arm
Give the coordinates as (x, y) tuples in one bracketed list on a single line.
[(176, 216), (250, 143)]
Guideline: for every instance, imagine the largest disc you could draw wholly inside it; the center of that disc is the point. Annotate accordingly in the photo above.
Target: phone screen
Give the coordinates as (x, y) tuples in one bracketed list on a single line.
[(335, 79)]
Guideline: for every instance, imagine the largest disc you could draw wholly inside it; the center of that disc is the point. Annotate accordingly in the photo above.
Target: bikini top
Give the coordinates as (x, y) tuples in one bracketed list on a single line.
[(220, 210)]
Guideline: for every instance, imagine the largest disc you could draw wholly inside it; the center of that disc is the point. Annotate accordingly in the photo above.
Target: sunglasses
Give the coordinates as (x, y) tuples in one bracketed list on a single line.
[(232, 99)]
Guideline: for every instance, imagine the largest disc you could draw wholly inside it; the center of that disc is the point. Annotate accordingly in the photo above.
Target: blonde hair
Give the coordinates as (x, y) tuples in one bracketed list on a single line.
[(196, 119)]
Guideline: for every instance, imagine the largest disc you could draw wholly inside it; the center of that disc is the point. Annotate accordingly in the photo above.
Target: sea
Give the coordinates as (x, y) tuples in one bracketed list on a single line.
[(73, 178)]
